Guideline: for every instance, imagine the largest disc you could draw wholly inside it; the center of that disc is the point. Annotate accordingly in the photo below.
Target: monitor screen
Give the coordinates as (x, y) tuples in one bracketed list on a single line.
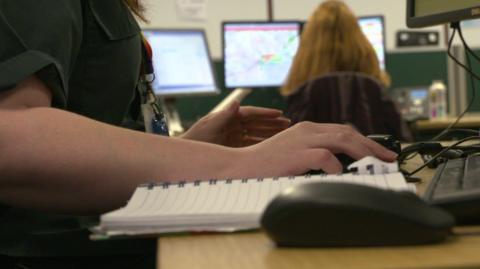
[(181, 61), (258, 54), (421, 13), (431, 7), (374, 29), (412, 101)]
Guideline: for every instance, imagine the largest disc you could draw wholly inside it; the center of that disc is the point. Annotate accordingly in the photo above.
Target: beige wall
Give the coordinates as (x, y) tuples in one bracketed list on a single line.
[(393, 10), (162, 13)]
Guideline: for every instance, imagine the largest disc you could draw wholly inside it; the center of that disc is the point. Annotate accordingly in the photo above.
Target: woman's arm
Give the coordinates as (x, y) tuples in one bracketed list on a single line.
[(58, 161), (53, 159)]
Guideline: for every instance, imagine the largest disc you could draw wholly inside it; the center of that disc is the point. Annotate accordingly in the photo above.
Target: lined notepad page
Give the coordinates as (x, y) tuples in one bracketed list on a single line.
[(216, 205)]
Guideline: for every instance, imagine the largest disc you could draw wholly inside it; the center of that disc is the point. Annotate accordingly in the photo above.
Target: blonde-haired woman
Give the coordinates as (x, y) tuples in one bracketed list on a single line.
[(332, 41), (336, 77)]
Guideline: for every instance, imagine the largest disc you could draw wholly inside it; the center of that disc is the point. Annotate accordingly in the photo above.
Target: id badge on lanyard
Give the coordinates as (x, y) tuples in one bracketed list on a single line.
[(153, 117)]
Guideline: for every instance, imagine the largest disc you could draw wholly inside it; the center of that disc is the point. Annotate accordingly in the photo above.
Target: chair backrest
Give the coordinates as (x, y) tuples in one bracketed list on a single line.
[(348, 98)]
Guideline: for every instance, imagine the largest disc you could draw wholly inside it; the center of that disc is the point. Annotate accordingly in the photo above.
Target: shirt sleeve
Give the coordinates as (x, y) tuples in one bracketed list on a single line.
[(42, 38)]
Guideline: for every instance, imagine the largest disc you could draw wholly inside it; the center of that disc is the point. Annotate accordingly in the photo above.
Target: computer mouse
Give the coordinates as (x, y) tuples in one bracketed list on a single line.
[(388, 141), (321, 214), (344, 159)]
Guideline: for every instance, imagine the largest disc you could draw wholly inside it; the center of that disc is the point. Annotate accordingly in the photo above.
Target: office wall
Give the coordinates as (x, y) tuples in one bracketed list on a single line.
[(163, 13), (408, 67), (393, 10)]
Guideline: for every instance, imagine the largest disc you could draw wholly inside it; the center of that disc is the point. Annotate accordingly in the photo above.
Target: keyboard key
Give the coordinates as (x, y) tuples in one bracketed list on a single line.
[(471, 178)]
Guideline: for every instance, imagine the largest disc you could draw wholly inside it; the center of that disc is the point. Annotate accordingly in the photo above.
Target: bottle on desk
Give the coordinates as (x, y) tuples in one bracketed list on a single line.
[(437, 100)]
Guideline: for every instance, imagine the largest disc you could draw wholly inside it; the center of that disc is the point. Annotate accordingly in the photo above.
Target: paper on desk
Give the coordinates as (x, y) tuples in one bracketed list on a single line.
[(214, 205)]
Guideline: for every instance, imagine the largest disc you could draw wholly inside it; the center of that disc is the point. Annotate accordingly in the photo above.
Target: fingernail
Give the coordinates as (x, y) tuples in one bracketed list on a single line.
[(391, 154)]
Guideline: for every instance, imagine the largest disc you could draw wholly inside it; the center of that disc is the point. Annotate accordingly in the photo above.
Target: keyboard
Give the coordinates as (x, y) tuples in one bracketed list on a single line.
[(456, 188)]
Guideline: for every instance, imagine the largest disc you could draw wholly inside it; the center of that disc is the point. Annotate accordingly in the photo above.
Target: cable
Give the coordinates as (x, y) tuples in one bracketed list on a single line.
[(469, 65), (441, 153), (448, 129), (456, 27), (470, 132), (456, 60), (401, 158)]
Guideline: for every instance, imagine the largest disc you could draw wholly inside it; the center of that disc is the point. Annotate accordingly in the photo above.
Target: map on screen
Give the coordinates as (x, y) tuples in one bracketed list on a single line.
[(259, 54)]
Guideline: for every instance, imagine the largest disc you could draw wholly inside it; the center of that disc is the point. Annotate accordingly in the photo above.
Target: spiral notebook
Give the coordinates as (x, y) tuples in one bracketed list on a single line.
[(214, 205)]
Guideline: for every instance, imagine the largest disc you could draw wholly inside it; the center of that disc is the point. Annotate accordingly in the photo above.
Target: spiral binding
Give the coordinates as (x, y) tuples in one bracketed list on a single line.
[(197, 183)]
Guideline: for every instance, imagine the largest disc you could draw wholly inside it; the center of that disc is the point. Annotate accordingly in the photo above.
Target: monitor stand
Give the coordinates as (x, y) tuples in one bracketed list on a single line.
[(171, 115), (236, 95)]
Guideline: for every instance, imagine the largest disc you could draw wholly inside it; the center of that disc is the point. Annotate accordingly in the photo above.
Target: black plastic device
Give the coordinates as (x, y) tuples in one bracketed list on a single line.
[(321, 214), (422, 13), (456, 188)]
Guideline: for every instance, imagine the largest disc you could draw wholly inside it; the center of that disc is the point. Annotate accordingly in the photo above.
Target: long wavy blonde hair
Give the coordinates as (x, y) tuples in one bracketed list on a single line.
[(332, 41)]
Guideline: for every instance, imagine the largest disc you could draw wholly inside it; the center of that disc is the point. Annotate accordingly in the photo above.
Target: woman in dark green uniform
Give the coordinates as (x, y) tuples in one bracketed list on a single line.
[(68, 74), (88, 53)]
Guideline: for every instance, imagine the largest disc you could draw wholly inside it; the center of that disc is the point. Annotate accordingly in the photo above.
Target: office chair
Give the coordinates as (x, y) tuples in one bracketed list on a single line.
[(348, 98)]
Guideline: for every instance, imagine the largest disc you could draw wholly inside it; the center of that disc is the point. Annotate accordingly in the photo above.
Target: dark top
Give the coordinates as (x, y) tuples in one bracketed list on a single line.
[(89, 53), (348, 98)]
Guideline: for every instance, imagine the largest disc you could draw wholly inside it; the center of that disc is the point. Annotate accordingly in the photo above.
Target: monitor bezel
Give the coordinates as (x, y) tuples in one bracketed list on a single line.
[(216, 90), (440, 18), (298, 22), (384, 34)]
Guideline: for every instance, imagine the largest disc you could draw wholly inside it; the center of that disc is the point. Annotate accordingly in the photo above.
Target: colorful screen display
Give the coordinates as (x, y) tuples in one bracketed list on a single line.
[(182, 62), (259, 54)]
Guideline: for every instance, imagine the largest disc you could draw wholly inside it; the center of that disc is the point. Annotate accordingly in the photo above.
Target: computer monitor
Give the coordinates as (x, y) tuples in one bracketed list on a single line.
[(258, 54), (182, 62), (412, 101), (422, 13), (374, 29)]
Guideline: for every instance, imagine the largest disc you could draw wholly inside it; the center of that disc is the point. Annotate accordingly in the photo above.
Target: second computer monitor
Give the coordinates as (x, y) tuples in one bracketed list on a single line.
[(258, 54), (374, 29), (182, 62)]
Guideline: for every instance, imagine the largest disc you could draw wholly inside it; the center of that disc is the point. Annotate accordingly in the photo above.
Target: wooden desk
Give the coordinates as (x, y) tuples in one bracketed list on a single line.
[(471, 121), (255, 250)]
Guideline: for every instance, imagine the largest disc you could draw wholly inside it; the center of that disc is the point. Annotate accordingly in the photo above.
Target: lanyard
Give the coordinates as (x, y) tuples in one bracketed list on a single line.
[(155, 121)]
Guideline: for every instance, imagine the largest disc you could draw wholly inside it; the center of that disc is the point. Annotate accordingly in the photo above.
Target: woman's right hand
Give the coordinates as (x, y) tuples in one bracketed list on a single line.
[(311, 146)]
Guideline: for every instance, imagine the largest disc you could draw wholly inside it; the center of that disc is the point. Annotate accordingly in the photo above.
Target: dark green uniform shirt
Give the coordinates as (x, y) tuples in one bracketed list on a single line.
[(89, 53)]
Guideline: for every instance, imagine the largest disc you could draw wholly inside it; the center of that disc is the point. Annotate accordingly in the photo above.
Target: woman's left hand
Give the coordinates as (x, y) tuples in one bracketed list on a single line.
[(238, 126)]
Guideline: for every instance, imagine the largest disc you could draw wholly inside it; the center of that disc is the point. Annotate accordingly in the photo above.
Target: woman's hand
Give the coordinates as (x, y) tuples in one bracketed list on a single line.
[(238, 126), (310, 146)]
